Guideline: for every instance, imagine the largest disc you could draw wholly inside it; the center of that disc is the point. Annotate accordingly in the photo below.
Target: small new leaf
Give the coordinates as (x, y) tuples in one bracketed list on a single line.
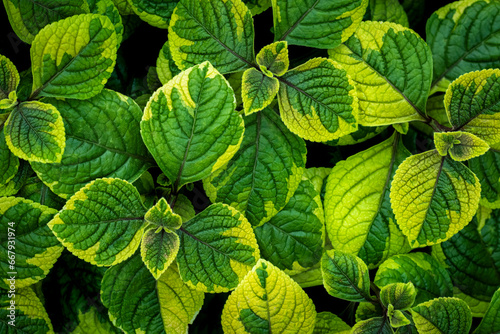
[(9, 80), (461, 146), (400, 295), (159, 247), (274, 57), (396, 317), (257, 90), (161, 215)]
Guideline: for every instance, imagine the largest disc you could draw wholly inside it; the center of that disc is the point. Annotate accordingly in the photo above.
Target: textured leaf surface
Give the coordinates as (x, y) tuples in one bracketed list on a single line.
[(318, 101), (264, 173), (392, 69), (345, 276), (294, 238), (17, 182), (190, 125), (257, 6), (108, 8), (257, 90), (27, 18), (155, 12), (9, 163), (274, 58), (34, 190), (9, 79), (139, 303), (74, 57), (161, 215), (388, 10), (428, 276), (317, 23), (433, 197), (32, 249), (377, 325), (491, 320), (400, 295), (442, 315), (198, 32), (218, 248), (30, 315), (165, 66), (268, 301), (90, 323), (329, 323), (487, 169), (102, 223), (362, 134), (477, 307), (464, 37), (102, 140), (461, 146), (34, 131), (473, 104), (366, 310), (359, 218), (310, 277)]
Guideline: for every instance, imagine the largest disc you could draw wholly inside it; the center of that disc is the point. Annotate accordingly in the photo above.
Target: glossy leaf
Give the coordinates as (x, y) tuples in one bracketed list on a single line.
[(70, 67), (274, 58), (159, 247), (165, 66), (491, 320), (267, 300), (102, 223), (190, 125), (442, 315), (329, 323), (388, 10), (9, 81), (392, 86), (319, 24), (445, 200), (400, 295), (318, 100), (9, 163), (265, 172), (461, 146), (487, 169), (155, 12), (257, 90), (197, 33)]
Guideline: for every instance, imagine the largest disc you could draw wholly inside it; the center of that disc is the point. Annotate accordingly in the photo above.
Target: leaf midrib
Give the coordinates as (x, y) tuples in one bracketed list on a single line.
[(285, 35)]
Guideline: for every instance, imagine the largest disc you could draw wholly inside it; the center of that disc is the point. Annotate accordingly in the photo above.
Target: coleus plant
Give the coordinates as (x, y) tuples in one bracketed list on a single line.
[(85, 220)]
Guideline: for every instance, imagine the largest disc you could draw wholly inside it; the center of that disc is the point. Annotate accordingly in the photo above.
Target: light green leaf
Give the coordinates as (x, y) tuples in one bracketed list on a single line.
[(318, 101), (378, 325), (362, 134), (138, 303), (34, 131), (90, 323), (461, 146), (487, 169), (9, 163), (70, 67), (234, 80), (359, 218), (429, 278), (294, 238), (366, 310), (102, 223), (397, 318), (161, 215), (155, 12), (491, 320), (445, 200), (257, 6), (29, 249), (198, 32), (264, 173), (108, 8), (388, 10), (319, 24), (268, 301), (34, 190), (123, 7), (473, 104), (218, 248), (190, 125), (165, 66), (442, 315), (184, 208), (9, 80), (477, 307), (345, 276), (329, 323), (27, 18), (392, 86), (29, 314), (102, 140), (310, 277), (274, 58), (159, 247), (257, 90), (17, 182), (464, 36), (400, 295)]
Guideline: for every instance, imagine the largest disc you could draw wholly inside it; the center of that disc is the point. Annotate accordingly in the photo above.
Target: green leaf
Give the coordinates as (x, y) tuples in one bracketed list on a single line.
[(379, 325), (165, 66), (17, 182), (491, 320), (345, 276), (73, 68), (90, 323), (392, 69), (34, 131), (218, 248), (102, 223), (388, 10), (445, 200), (274, 58), (138, 303), (159, 247), (487, 169), (359, 218), (102, 140), (161, 215), (9, 163), (473, 104), (34, 190), (257, 6), (234, 80), (477, 307), (257, 90), (429, 278), (397, 318), (318, 100), (29, 248), (461, 146), (319, 24), (190, 125), (294, 238), (400, 295), (329, 323), (442, 315), (437, 110), (108, 8), (264, 173), (310, 277), (362, 134), (155, 12), (198, 32), (366, 310), (268, 301), (464, 37), (29, 314), (9, 80), (27, 18), (124, 8)]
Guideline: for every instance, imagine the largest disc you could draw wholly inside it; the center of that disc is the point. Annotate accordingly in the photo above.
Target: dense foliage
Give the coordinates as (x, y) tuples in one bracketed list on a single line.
[(344, 177)]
